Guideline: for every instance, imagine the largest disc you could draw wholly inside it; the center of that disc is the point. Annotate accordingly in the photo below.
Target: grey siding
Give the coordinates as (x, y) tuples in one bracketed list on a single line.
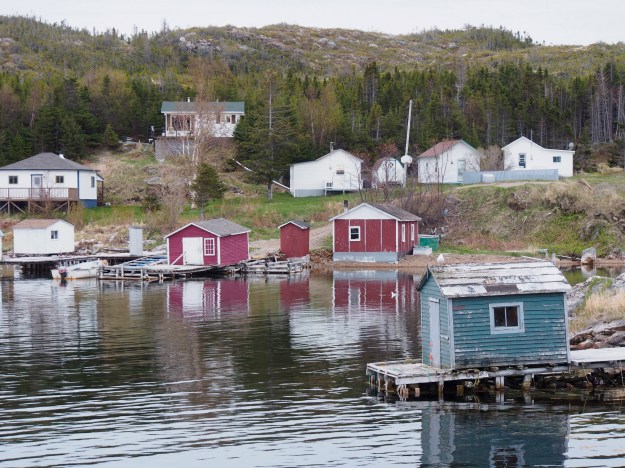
[(431, 290), (543, 340), (505, 176)]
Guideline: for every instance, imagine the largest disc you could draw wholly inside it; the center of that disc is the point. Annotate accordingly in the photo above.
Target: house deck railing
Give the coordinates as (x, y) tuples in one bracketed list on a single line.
[(25, 194)]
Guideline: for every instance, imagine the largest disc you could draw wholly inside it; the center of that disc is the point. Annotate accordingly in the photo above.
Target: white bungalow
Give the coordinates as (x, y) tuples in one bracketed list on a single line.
[(48, 177), (337, 171), (43, 237), (387, 171), (447, 161), (524, 154), (188, 118)]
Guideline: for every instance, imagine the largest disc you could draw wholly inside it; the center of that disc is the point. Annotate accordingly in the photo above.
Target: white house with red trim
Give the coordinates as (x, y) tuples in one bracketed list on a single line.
[(446, 162), (216, 242), (374, 232), (524, 154)]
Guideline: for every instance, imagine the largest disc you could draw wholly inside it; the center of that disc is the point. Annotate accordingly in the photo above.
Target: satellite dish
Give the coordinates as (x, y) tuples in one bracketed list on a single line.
[(571, 146), (405, 159)]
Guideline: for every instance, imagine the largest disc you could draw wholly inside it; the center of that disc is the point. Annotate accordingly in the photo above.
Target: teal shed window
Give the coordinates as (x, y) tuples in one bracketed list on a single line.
[(506, 318)]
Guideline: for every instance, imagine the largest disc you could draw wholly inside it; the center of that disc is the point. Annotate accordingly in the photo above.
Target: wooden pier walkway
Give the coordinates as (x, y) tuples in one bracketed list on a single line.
[(152, 268), (404, 376)]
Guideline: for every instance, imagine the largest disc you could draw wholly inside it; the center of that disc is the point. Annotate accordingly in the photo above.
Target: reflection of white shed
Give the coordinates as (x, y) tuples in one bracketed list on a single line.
[(43, 237), (387, 171), (337, 171)]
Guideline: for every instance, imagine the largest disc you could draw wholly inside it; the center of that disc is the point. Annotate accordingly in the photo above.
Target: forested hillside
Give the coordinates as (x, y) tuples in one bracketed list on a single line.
[(60, 88)]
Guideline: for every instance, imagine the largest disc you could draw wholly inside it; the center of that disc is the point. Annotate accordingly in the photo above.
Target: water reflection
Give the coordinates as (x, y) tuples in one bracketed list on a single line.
[(258, 372), (581, 273)]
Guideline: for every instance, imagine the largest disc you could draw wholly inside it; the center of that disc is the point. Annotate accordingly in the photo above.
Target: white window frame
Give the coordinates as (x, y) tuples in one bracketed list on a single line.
[(557, 159), (209, 246), (412, 232), (54, 234), (501, 330), (357, 231), (403, 232)]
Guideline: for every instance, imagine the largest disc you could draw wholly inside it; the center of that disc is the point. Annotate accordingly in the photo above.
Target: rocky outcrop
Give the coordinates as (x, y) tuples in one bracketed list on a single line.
[(601, 335)]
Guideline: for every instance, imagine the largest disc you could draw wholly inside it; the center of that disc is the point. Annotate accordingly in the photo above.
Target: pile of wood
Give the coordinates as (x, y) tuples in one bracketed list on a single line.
[(271, 266)]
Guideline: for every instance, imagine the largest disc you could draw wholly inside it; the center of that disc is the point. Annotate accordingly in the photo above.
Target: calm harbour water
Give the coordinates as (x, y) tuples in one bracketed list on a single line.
[(251, 373)]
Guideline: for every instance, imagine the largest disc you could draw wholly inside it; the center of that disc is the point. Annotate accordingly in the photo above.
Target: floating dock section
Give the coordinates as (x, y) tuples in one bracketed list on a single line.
[(153, 268), (408, 378)]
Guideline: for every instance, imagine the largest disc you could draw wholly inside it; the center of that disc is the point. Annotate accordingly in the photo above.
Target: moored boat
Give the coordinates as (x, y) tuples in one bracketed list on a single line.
[(77, 271)]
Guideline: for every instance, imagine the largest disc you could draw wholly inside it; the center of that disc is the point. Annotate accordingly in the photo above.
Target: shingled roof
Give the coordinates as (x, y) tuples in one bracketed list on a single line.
[(398, 213), (37, 223), (220, 227), (497, 279), (439, 148), (46, 161)]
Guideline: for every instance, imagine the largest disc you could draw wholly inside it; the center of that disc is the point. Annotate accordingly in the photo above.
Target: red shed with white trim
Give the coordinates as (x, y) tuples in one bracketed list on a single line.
[(216, 242), (295, 239), (374, 232)]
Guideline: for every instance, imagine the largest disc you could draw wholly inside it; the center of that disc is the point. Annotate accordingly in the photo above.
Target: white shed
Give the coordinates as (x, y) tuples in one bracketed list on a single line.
[(43, 237), (337, 171), (387, 171), (524, 154), (447, 161)]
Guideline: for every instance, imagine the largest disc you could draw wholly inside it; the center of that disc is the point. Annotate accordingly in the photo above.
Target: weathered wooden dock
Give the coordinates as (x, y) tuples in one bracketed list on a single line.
[(405, 377), (41, 265), (152, 268)]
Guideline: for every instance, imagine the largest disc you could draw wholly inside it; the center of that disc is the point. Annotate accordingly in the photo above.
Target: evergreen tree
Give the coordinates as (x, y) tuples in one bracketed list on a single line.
[(207, 186), (110, 138)]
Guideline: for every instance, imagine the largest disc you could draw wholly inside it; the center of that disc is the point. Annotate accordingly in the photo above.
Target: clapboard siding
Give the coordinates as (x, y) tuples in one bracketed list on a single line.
[(542, 341), (431, 290)]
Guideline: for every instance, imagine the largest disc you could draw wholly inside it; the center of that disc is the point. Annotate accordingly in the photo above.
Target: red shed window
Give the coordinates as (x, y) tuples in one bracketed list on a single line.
[(209, 247), (354, 233)]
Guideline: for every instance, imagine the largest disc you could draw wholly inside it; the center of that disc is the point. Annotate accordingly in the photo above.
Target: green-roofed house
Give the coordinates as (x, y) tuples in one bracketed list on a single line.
[(189, 118)]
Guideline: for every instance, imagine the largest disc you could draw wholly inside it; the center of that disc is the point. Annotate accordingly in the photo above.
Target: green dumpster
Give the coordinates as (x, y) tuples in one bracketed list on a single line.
[(428, 241)]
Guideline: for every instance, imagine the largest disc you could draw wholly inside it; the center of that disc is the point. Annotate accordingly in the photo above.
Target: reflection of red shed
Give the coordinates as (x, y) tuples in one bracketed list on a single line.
[(374, 232), (216, 242), (295, 239)]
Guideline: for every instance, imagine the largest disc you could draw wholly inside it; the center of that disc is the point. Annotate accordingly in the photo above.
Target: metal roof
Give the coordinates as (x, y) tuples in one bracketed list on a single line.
[(47, 161), (497, 279), (220, 227), (38, 223), (299, 223), (190, 106)]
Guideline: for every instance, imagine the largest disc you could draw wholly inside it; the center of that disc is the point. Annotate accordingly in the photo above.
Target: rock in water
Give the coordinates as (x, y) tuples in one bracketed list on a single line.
[(589, 256)]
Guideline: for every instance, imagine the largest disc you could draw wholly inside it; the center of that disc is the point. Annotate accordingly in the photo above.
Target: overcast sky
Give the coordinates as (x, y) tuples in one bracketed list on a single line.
[(552, 21)]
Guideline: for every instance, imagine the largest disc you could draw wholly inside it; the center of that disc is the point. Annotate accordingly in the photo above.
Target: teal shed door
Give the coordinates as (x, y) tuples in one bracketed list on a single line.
[(435, 333)]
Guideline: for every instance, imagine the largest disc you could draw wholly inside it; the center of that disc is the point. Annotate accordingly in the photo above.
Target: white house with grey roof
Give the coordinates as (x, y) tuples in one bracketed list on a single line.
[(524, 154), (48, 177), (189, 118), (337, 171), (43, 237)]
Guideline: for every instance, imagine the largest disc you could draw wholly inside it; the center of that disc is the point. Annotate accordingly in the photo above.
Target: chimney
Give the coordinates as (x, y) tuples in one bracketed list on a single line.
[(188, 99), (61, 156), (345, 206)]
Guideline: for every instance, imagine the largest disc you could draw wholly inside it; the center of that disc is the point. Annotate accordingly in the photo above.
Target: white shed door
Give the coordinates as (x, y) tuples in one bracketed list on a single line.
[(193, 250), (435, 333)]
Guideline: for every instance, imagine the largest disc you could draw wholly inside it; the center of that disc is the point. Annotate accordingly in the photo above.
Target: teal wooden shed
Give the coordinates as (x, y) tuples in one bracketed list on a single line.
[(495, 314)]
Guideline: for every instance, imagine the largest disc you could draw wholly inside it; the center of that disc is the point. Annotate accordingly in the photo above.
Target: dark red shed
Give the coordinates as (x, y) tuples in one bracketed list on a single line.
[(295, 239), (374, 232), (216, 242)]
